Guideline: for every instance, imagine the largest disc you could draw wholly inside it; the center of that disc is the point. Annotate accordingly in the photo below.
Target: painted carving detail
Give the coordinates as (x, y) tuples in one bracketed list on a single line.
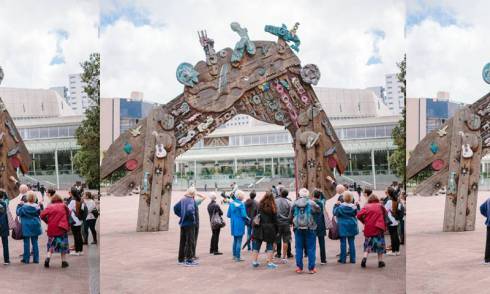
[(286, 35), (310, 74), (242, 45), (187, 75)]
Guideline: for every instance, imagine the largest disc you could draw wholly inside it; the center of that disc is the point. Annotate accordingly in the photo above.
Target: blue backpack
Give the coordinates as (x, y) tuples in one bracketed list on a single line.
[(302, 217)]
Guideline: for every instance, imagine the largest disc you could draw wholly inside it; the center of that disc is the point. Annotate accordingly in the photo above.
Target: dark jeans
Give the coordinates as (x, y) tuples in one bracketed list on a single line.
[(395, 240), (196, 234), (279, 248), (487, 249), (90, 224), (187, 243), (5, 244), (27, 249), (77, 236), (249, 234), (214, 241), (321, 244), (402, 231)]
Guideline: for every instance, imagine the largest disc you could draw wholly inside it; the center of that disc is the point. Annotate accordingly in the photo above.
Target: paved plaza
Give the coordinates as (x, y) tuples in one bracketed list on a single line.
[(147, 262), (440, 262), (81, 277)]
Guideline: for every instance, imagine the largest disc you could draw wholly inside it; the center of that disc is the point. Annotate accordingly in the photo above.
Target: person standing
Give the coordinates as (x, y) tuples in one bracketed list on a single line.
[(346, 213), (56, 215), (265, 230), (31, 226), (321, 220), (252, 207), (213, 208), (185, 209), (197, 202), (283, 224), (485, 211), (4, 227), (75, 206), (238, 216), (90, 207), (372, 215), (304, 229), (393, 207)]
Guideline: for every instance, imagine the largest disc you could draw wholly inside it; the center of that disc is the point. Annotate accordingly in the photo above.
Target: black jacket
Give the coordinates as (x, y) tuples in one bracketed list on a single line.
[(213, 207), (252, 207), (267, 230)]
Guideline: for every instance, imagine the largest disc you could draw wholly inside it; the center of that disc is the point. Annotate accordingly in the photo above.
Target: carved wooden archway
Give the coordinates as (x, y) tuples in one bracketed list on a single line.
[(453, 153), (13, 152), (262, 79)]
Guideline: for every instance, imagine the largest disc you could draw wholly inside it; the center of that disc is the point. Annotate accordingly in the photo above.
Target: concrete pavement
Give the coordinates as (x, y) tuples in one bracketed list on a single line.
[(439, 262), (147, 262)]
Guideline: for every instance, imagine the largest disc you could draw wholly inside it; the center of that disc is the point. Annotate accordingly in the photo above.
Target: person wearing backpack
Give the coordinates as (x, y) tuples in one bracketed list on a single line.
[(485, 211), (283, 225), (213, 208), (394, 209), (4, 227), (185, 209), (75, 206), (346, 213), (372, 215), (304, 229), (322, 224), (265, 229), (238, 218)]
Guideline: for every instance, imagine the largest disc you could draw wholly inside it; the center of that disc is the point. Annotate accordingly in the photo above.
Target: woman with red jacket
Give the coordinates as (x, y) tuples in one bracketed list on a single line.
[(56, 216), (373, 218)]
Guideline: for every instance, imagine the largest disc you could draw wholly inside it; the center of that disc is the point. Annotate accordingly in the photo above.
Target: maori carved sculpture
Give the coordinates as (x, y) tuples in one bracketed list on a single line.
[(13, 153), (242, 45), (266, 85), (284, 34), (453, 154), (186, 74)]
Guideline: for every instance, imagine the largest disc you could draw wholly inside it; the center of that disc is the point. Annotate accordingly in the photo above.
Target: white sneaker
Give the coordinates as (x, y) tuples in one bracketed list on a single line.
[(486, 263), (6, 263), (397, 253), (391, 253), (74, 253)]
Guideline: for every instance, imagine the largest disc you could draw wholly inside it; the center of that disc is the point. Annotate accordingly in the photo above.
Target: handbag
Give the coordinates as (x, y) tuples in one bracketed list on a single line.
[(95, 213), (10, 219), (217, 221), (333, 232), (17, 230)]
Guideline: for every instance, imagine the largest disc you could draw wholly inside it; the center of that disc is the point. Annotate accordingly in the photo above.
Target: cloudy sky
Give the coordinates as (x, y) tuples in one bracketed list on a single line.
[(354, 43), (42, 42), (447, 46)]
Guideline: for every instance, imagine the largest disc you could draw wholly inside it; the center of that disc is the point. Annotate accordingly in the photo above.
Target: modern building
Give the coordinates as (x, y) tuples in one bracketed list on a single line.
[(47, 124), (120, 114), (427, 114), (77, 98), (393, 98), (249, 151)]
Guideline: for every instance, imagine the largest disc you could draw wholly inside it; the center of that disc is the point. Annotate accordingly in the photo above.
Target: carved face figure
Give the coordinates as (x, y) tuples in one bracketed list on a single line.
[(187, 75), (310, 74)]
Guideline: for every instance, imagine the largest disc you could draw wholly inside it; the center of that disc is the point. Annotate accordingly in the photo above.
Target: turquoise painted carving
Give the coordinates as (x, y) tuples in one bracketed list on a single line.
[(284, 83), (187, 75), (434, 148), (128, 148), (451, 184), (486, 73), (145, 182), (243, 44), (283, 33)]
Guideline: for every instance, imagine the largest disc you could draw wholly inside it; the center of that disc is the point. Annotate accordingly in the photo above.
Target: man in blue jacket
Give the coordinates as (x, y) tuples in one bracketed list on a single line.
[(186, 210), (485, 211)]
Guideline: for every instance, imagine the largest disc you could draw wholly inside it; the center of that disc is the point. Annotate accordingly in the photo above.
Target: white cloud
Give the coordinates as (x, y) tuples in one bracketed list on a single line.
[(450, 57), (335, 35), (29, 41)]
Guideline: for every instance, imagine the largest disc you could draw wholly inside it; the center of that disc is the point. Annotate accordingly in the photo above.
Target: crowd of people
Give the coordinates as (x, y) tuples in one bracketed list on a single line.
[(276, 218), (78, 213)]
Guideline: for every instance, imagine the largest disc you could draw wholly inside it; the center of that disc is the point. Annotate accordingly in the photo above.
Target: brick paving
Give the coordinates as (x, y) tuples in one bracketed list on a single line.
[(147, 262), (439, 262)]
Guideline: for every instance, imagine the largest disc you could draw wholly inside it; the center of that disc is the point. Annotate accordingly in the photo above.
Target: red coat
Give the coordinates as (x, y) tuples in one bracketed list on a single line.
[(56, 216), (372, 216)]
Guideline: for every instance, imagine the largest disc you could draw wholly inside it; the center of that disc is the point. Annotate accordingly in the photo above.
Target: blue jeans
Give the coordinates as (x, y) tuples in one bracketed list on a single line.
[(27, 249), (307, 237), (343, 249), (5, 244), (237, 246), (249, 233)]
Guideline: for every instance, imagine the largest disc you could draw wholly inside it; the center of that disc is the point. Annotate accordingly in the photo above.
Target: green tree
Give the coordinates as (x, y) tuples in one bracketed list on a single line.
[(398, 158), (86, 159)]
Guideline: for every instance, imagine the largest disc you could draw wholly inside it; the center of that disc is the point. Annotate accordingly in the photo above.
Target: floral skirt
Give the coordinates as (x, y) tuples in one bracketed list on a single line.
[(59, 244), (375, 244)]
